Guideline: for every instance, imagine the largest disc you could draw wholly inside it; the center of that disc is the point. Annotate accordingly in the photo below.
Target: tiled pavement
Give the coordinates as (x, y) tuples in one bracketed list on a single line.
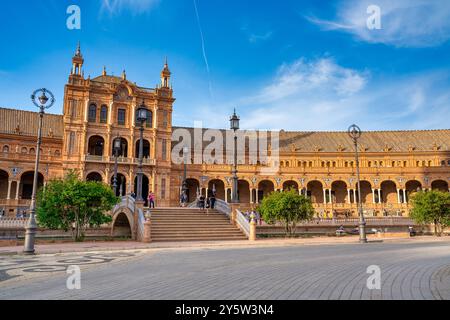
[(409, 270)]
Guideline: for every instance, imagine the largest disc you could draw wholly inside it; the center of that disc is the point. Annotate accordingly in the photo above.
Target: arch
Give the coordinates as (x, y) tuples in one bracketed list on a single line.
[(265, 187), (32, 151), (145, 187), (243, 191), (290, 184), (122, 225), (440, 185), (24, 150), (315, 191), (96, 146), (412, 186), (4, 182), (94, 176), (146, 149), (123, 152), (339, 191), (193, 187), (103, 114), (389, 192), (219, 186), (121, 184), (366, 192), (26, 184), (5, 149)]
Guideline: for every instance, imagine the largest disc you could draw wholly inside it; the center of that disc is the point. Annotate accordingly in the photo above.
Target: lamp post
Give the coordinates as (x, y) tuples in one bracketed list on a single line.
[(355, 133), (42, 102), (117, 147), (234, 125), (141, 118), (185, 159)]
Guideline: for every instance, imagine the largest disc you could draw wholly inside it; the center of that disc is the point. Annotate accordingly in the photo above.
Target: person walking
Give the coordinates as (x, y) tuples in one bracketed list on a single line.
[(212, 200)]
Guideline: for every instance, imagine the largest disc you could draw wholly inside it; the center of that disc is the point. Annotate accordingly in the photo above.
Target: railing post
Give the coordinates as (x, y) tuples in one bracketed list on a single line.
[(147, 231), (252, 236), (234, 207)]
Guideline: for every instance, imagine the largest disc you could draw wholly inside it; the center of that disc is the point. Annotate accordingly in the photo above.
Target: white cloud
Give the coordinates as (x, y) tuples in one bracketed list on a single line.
[(321, 94), (404, 23), (253, 38), (134, 6)]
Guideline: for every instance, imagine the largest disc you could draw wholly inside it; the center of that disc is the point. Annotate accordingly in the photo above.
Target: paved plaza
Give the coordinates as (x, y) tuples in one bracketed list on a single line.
[(410, 269)]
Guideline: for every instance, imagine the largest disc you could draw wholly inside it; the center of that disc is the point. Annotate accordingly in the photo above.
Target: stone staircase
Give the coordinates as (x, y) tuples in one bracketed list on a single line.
[(191, 224)]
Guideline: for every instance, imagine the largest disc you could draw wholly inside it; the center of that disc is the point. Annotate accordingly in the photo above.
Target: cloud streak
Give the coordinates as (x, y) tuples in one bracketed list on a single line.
[(405, 23), (134, 6)]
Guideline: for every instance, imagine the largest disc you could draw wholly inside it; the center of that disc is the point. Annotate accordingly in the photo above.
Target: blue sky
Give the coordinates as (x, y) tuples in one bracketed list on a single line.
[(294, 65)]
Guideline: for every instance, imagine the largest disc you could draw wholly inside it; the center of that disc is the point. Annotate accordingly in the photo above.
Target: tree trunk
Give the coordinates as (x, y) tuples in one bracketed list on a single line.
[(435, 228)]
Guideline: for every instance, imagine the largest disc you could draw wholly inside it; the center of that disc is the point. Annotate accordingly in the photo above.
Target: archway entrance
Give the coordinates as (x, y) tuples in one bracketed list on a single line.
[(94, 176), (123, 151), (121, 227), (290, 184), (440, 185), (339, 191), (265, 187), (96, 145), (146, 149), (366, 192), (389, 192), (219, 186), (145, 188), (412, 187), (26, 184), (243, 191), (4, 177), (193, 186), (315, 191)]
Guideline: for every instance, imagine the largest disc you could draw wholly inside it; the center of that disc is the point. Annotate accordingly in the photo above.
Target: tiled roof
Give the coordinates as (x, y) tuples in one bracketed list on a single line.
[(26, 123), (371, 141)]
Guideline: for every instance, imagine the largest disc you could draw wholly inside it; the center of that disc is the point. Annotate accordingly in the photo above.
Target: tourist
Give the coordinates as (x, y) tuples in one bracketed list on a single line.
[(151, 200), (183, 199), (212, 200)]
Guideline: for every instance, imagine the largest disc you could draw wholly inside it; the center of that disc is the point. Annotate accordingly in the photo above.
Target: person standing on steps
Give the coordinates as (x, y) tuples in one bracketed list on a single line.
[(212, 200), (151, 200)]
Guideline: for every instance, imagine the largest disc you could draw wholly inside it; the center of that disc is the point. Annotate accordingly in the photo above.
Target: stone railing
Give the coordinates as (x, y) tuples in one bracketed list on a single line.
[(91, 158), (391, 221), (222, 207), (140, 225), (242, 223), (12, 223)]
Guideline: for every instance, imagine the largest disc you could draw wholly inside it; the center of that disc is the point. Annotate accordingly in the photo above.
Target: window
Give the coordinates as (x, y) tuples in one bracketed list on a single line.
[(121, 117), (165, 119), (24, 150), (32, 151), (92, 116), (164, 149), (6, 149), (104, 114), (71, 143)]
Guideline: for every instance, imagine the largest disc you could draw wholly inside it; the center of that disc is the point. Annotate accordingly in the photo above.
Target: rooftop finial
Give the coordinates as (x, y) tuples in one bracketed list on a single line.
[(78, 52), (104, 71), (124, 75)]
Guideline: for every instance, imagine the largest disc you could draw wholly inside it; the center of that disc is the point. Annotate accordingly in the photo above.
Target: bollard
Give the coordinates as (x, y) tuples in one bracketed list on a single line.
[(252, 236), (147, 231)]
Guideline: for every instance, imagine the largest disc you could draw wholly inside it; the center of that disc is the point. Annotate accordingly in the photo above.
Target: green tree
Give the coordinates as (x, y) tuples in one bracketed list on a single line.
[(72, 204), (287, 207), (431, 207)]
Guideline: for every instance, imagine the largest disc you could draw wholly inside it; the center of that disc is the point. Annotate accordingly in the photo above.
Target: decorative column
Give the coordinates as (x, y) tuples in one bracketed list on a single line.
[(349, 200), (398, 196), (257, 196), (331, 195), (404, 196), (325, 196), (17, 190), (379, 196), (9, 190), (373, 196)]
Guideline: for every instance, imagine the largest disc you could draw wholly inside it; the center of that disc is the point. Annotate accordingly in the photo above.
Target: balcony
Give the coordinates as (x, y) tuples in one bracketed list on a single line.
[(120, 160)]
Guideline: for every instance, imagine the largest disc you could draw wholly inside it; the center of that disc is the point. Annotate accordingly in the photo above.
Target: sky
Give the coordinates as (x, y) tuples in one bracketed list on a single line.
[(294, 65)]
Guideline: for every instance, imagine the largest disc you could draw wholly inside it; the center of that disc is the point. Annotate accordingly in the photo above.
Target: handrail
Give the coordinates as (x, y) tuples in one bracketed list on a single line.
[(140, 226), (243, 223), (222, 207)]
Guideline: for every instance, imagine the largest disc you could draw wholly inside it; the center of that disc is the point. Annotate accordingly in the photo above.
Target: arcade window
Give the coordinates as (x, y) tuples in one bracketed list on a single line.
[(121, 117), (104, 114), (92, 117)]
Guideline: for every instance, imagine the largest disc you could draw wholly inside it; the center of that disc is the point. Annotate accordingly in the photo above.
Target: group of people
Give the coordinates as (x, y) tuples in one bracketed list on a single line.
[(248, 216), (206, 202)]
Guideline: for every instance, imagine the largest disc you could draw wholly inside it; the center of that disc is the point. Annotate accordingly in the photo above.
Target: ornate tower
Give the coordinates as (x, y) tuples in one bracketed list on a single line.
[(77, 63), (165, 76)]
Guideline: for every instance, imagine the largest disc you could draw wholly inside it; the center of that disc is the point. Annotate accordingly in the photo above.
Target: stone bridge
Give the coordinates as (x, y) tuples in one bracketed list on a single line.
[(128, 219)]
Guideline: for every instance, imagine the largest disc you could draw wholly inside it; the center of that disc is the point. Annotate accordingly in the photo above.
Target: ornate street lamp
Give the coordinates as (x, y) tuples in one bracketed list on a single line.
[(234, 125), (355, 133), (117, 146), (142, 114), (42, 102), (185, 160)]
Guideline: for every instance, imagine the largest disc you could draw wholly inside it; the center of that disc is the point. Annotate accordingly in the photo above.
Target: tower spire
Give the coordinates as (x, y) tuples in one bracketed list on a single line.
[(77, 62)]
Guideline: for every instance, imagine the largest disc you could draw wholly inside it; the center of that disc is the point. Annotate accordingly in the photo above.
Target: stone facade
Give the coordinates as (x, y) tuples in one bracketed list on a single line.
[(394, 164)]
